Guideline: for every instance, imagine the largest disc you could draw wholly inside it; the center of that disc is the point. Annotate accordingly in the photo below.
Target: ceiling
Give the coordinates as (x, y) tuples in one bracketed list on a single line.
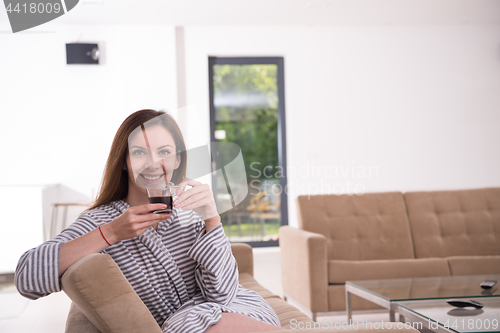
[(282, 12)]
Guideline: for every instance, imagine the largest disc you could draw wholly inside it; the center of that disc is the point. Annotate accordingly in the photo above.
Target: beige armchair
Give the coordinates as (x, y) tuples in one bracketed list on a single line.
[(104, 301)]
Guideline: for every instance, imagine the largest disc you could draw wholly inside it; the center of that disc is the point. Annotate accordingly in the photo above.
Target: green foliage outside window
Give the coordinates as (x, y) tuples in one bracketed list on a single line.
[(246, 103)]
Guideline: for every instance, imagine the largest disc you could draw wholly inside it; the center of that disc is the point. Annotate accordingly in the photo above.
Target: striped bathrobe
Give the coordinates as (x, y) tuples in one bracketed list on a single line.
[(184, 275)]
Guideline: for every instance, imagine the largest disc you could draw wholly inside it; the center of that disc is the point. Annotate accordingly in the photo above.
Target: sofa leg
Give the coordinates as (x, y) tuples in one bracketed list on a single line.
[(313, 316)]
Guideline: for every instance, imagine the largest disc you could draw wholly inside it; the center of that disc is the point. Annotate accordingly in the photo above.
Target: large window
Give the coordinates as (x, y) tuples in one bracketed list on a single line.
[(247, 108)]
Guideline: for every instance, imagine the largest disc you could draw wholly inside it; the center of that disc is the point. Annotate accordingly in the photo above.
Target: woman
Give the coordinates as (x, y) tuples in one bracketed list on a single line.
[(180, 264)]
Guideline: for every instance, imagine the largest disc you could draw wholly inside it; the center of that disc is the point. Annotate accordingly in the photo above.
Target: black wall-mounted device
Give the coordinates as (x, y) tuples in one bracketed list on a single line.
[(82, 53)]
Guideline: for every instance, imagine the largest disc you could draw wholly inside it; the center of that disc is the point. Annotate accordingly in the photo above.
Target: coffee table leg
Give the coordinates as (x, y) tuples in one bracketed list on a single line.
[(348, 305), (392, 315), (393, 307)]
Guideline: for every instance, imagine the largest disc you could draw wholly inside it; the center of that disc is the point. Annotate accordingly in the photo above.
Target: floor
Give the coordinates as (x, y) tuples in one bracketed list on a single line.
[(48, 314)]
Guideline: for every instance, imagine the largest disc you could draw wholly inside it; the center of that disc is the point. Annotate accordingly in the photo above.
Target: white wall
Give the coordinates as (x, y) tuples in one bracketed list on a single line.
[(58, 120), (419, 106), (22, 223)]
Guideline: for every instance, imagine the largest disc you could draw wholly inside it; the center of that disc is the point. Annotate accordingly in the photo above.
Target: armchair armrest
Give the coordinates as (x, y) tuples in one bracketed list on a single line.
[(304, 267), (98, 287), (244, 257)]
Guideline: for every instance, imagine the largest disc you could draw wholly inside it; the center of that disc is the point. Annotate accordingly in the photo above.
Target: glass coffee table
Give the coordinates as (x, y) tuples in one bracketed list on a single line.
[(389, 293), (440, 317)]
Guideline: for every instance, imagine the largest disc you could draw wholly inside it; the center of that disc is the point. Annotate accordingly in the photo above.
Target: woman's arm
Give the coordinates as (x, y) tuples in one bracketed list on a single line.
[(130, 224), (39, 269), (75, 249), (37, 272), (217, 272), (212, 223)]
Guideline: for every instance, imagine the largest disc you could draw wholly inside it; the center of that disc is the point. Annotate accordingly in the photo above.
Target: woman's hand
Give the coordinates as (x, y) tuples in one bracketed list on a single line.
[(133, 222), (130, 224), (198, 198)]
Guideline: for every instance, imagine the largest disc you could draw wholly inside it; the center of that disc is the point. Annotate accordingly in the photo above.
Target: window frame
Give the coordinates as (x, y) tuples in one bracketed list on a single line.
[(279, 62)]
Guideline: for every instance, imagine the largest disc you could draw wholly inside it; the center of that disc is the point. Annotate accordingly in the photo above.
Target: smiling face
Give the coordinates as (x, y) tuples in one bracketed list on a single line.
[(145, 164)]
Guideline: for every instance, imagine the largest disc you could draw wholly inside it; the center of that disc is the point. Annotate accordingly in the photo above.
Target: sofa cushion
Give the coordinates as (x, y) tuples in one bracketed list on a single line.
[(455, 223), (359, 227), (472, 265), (340, 271)]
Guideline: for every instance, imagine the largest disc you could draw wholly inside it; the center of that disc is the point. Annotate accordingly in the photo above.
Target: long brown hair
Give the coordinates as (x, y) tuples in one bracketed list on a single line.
[(114, 185)]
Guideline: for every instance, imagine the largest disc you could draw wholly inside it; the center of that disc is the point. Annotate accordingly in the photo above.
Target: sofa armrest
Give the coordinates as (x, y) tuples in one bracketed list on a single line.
[(304, 267), (244, 257), (98, 287)]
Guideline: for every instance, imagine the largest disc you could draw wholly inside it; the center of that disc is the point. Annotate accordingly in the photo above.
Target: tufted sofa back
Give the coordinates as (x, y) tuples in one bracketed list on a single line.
[(455, 223), (359, 227)]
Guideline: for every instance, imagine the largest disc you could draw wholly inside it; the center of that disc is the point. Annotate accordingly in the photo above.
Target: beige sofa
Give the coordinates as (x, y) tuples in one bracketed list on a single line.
[(104, 301), (386, 235)]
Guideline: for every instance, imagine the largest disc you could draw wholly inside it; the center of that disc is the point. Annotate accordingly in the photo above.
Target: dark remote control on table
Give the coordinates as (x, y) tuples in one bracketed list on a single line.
[(464, 303), (488, 284)]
